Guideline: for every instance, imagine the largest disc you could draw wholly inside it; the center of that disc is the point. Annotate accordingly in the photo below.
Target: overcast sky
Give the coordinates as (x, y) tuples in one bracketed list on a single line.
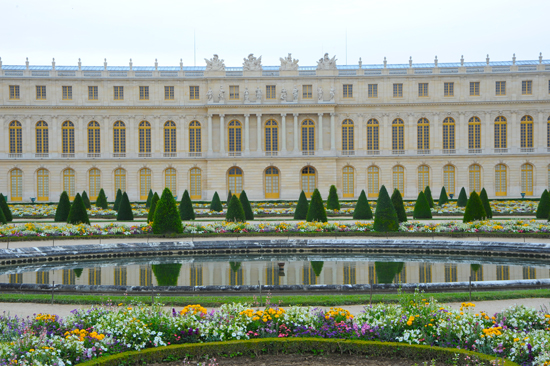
[(144, 30)]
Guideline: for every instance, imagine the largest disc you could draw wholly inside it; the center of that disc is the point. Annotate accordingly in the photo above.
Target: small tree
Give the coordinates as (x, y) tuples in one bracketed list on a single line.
[(235, 266), (78, 214), (151, 213), (462, 200), (63, 208), (216, 204), (187, 212), (248, 213), (235, 210), (3, 220), (116, 206), (443, 198), (167, 217), (422, 208), (4, 207), (332, 200), (317, 267), (229, 195), (474, 209), (301, 208), (149, 198), (543, 210), (362, 209), (86, 200), (101, 200), (486, 203), (316, 211), (125, 212), (397, 201), (385, 217), (77, 272), (167, 273), (429, 198)]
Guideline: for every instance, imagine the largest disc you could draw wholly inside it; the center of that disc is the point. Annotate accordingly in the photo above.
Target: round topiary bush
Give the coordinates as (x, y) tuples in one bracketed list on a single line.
[(216, 204), (462, 198), (474, 209), (429, 198), (486, 203), (332, 201), (397, 201), (86, 200), (101, 200), (151, 213), (443, 198), (125, 210), (316, 211), (248, 214), (187, 213), (78, 214), (63, 208), (543, 209), (116, 206), (385, 217), (167, 217), (362, 209), (235, 212), (5, 208), (301, 208), (422, 208)]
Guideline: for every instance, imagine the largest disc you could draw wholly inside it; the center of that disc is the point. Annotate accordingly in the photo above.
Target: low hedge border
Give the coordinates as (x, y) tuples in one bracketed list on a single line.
[(256, 347)]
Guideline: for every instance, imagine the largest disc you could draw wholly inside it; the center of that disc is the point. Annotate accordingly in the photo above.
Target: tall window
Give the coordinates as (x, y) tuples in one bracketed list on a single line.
[(195, 137), (94, 140), (308, 135), (271, 136), (168, 93), (93, 93), (233, 92), (348, 91), (526, 132), (372, 134), (423, 177), (399, 179), (170, 180), (69, 182), (42, 140), (348, 181), (373, 91), (270, 92), (527, 179), (43, 185), (67, 92), (235, 136), (474, 88), (422, 89), (350, 273), (16, 185), (120, 180), (119, 137), (500, 88), (144, 183), (95, 183), (194, 93), (474, 172), (398, 135), (145, 275), (40, 92), (423, 134), (548, 133), (67, 137), (170, 137), (347, 135), (16, 138), (14, 92), (527, 87), (307, 92), (195, 274), (308, 181), (474, 133), (397, 90), (143, 93), (448, 89), (272, 182), (449, 178), (503, 273), (501, 182), (121, 276), (118, 92), (448, 133), (373, 181), (235, 181), (500, 133), (425, 272), (144, 137), (94, 276), (450, 273), (195, 184)]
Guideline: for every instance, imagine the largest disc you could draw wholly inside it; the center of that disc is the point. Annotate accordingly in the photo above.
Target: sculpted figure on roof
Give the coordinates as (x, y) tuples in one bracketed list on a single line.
[(215, 64), (252, 63), (326, 63), (288, 63)]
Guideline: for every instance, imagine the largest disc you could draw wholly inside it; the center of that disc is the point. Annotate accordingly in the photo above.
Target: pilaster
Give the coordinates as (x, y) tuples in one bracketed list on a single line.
[(283, 133)]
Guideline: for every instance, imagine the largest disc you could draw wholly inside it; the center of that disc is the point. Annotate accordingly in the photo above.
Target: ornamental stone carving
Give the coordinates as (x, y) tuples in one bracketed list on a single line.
[(221, 94), (326, 63), (214, 64), (332, 92), (283, 95), (252, 63), (258, 94), (288, 63), (295, 94), (209, 94), (246, 95), (320, 93)]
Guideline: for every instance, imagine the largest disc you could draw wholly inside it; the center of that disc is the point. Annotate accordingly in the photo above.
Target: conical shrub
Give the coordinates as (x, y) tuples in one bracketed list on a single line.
[(462, 200), (77, 272), (116, 206), (422, 208), (316, 211), (101, 200), (149, 198), (235, 212), (486, 203), (429, 198), (63, 208), (332, 200), (125, 210), (398, 205), (385, 217), (386, 271), (474, 209), (3, 220), (216, 204), (235, 266), (301, 208), (151, 213), (5, 208), (167, 274), (86, 200), (167, 217), (187, 212), (443, 198), (248, 213), (229, 196), (543, 210), (317, 267), (362, 209), (78, 214)]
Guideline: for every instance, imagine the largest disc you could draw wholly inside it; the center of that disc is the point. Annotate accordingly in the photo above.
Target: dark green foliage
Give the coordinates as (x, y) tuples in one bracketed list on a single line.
[(316, 211), (125, 210), (317, 267), (86, 200), (248, 214), (117, 200), (167, 273), (149, 198), (475, 267), (235, 210), (486, 203), (151, 213), (429, 198), (216, 204), (229, 195), (3, 220), (422, 207), (543, 210), (462, 198), (332, 200), (386, 271), (362, 208), (77, 272), (443, 198), (474, 209), (63, 208), (301, 208), (101, 200), (398, 205), (167, 217), (78, 214), (187, 212), (235, 266), (385, 217), (4, 207)]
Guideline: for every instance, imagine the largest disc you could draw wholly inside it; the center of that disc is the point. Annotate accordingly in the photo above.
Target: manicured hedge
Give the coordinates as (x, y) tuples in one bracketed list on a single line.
[(151, 213), (248, 214), (235, 211), (125, 212), (462, 200), (316, 211), (167, 217), (187, 213), (101, 200), (5, 208), (216, 204), (429, 198), (362, 208), (301, 208), (63, 208), (77, 213), (385, 217), (332, 200), (543, 210), (86, 200), (397, 201), (116, 206), (486, 204)]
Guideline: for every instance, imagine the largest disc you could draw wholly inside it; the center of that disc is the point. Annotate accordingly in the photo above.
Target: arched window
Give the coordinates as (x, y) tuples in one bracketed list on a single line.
[(423, 134), (67, 137), (474, 133), (527, 179), (271, 136), (526, 132), (398, 135), (449, 178), (170, 180), (423, 177), (119, 138), (475, 177), (373, 181), (308, 181), (95, 183), (308, 137), (16, 138), (500, 133), (43, 185), (170, 137), (69, 182), (42, 140), (272, 182), (348, 181), (448, 133), (235, 181), (16, 185), (195, 137), (120, 180), (372, 134), (195, 184), (94, 139), (144, 183), (347, 135), (399, 179), (145, 138), (235, 136), (501, 182)]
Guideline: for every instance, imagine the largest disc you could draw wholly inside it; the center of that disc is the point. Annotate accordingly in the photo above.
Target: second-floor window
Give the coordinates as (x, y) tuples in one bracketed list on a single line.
[(398, 90), (40, 92), (143, 93), (422, 89), (474, 88), (500, 88), (270, 92), (93, 93), (348, 91), (119, 93), (233, 92), (168, 93), (373, 90), (14, 92), (449, 89), (527, 87), (307, 92), (67, 92), (193, 93)]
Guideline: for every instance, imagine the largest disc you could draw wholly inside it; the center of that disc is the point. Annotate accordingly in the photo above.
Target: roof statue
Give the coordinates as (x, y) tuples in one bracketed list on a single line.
[(252, 63), (326, 63), (214, 64), (288, 63)]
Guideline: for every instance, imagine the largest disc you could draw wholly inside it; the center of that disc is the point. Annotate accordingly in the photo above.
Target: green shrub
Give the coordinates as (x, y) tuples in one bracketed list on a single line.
[(116, 206), (443, 198), (474, 209), (248, 214), (462, 200), (397, 201), (101, 200), (151, 213), (486, 203), (301, 208), (216, 204), (86, 200), (317, 267), (422, 207), (475, 267), (149, 198), (229, 196), (316, 211), (235, 210), (78, 214), (167, 274), (429, 198), (125, 212), (5, 208), (362, 209), (3, 220), (77, 272), (543, 210), (63, 208), (386, 271), (385, 217), (235, 266), (187, 212), (167, 217), (332, 200)]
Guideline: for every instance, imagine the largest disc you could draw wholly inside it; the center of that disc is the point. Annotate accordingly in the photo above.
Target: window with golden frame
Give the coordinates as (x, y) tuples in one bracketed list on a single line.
[(14, 92), (308, 135), (422, 89), (67, 137), (118, 92), (348, 175), (271, 136), (119, 138), (527, 179), (399, 179), (500, 87), (195, 184), (233, 92), (347, 135), (449, 89), (527, 87), (170, 180), (144, 183), (94, 138), (272, 183), (69, 186), (270, 92), (42, 138), (526, 132), (398, 90), (474, 172), (423, 177), (168, 93), (143, 93), (373, 181), (449, 178), (16, 137), (373, 91), (120, 180), (308, 181), (144, 137), (93, 93), (235, 181), (307, 91), (195, 137), (193, 93), (234, 136), (41, 92), (170, 137), (500, 133), (448, 133), (423, 134), (372, 134), (474, 133), (94, 176), (16, 185), (501, 181), (474, 88), (348, 91), (398, 135), (42, 185), (67, 92)]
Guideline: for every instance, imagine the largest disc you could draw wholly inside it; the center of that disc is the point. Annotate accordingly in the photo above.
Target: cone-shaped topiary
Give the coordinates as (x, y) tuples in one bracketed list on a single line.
[(422, 208), (386, 271), (86, 200), (429, 198), (125, 210), (462, 198), (101, 200), (235, 266), (248, 213), (316, 211), (216, 204), (397, 201), (77, 272), (167, 273), (486, 203), (186, 207), (116, 206), (149, 198), (3, 220), (543, 210), (167, 217), (474, 209), (78, 214), (443, 198), (362, 209), (229, 195), (235, 210), (317, 267), (151, 213), (63, 208), (385, 217), (301, 208), (4, 207), (475, 267), (332, 200)]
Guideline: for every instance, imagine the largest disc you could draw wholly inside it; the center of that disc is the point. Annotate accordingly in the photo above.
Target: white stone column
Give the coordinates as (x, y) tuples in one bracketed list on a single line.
[(320, 134), (333, 133), (222, 134), (246, 134), (283, 133), (209, 127), (259, 133), (296, 134)]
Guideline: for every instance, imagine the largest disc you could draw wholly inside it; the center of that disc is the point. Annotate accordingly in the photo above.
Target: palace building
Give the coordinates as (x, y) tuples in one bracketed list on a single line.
[(275, 130)]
